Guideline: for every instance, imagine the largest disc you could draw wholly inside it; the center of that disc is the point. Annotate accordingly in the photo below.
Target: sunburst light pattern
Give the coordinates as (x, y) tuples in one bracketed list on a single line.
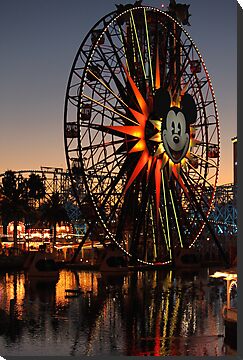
[(156, 162)]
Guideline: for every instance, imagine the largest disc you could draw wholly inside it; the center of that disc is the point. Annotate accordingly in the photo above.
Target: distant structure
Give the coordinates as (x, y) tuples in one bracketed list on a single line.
[(180, 12), (234, 142), (224, 215), (56, 180)]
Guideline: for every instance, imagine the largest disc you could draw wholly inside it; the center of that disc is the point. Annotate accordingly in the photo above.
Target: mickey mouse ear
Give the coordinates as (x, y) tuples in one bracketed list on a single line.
[(189, 107), (161, 102)]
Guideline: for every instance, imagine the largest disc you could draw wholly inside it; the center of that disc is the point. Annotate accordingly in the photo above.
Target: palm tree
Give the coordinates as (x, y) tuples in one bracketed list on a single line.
[(53, 212), (35, 188), (35, 192), (13, 200)]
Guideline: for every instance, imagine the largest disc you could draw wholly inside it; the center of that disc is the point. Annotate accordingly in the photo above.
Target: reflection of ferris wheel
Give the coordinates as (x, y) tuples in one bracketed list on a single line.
[(141, 128)]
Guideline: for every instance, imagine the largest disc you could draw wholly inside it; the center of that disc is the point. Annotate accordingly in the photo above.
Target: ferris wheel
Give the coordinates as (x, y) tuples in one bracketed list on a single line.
[(142, 132)]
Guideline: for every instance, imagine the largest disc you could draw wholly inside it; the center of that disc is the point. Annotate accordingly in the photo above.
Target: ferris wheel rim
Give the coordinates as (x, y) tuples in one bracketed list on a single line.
[(81, 91)]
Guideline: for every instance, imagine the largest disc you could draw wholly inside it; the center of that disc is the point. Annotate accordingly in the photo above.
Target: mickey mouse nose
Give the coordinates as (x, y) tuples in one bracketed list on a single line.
[(176, 139)]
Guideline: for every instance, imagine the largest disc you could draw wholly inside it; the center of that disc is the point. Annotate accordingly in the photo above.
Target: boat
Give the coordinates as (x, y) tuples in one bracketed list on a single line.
[(113, 261), (12, 262), (187, 259), (229, 312), (73, 293), (9, 323), (41, 266)]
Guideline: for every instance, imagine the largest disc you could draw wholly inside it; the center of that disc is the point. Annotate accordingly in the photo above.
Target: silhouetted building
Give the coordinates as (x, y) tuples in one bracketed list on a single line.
[(234, 141)]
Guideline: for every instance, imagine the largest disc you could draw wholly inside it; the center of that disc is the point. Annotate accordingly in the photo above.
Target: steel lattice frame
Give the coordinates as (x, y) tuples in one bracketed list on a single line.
[(54, 180), (148, 205), (224, 213)]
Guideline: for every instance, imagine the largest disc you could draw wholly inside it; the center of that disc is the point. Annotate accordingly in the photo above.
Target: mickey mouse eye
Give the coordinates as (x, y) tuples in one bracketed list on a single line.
[(173, 127), (179, 129)]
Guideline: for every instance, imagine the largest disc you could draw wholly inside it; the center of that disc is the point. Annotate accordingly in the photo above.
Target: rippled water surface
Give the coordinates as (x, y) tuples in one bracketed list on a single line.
[(141, 313)]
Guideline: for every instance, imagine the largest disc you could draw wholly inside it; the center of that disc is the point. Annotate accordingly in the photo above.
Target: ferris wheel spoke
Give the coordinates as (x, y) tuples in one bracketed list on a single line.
[(173, 210), (144, 240), (124, 44), (138, 44), (202, 105), (110, 187), (114, 209), (195, 203), (96, 125), (105, 84), (195, 178), (212, 136), (197, 85), (113, 118), (138, 225), (204, 125), (160, 245), (202, 177), (153, 229), (99, 165), (184, 65), (204, 160), (123, 217), (94, 138), (72, 142), (149, 210), (190, 216), (109, 143), (104, 164), (101, 112), (184, 221), (149, 50), (118, 59), (108, 108), (119, 84), (166, 214), (166, 241), (128, 95), (76, 72), (113, 168), (196, 189), (176, 218), (200, 196)]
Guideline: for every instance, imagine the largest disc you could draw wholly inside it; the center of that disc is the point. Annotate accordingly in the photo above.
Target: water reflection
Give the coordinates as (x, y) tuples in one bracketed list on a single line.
[(142, 313)]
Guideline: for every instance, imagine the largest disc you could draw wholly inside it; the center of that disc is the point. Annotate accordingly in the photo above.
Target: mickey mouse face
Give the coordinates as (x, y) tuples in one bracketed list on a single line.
[(175, 123), (175, 136)]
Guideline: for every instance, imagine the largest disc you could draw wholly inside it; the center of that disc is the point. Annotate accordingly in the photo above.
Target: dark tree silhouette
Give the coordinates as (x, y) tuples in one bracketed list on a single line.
[(35, 193), (53, 212), (35, 189), (13, 200)]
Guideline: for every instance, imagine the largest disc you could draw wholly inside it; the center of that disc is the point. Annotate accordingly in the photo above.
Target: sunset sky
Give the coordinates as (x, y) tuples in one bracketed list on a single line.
[(39, 40)]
